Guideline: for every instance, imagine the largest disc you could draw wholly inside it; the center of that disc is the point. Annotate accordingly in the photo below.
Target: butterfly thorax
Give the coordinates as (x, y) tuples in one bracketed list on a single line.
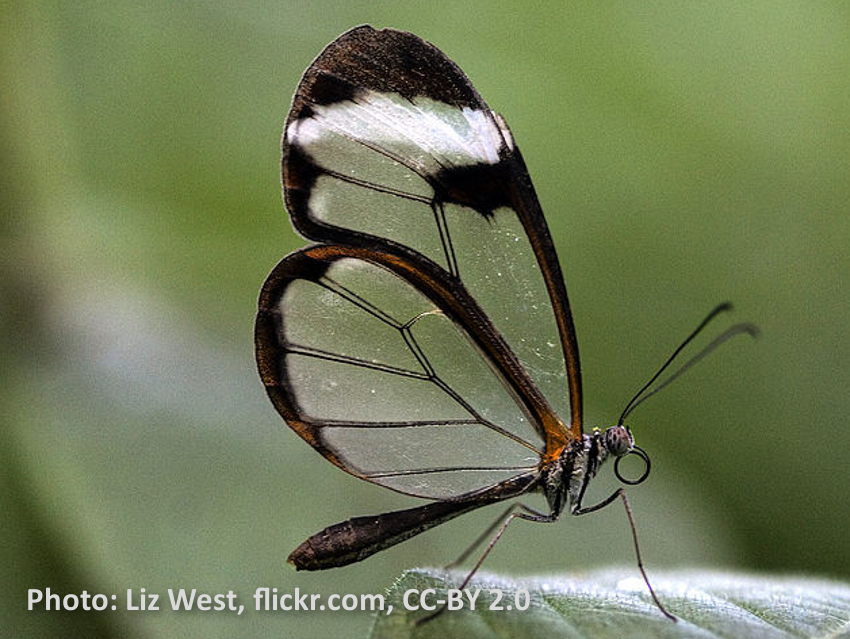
[(564, 479)]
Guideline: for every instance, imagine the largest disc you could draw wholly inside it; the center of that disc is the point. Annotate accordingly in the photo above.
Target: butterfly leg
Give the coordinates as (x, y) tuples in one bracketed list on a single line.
[(620, 492), (505, 518), (489, 531)]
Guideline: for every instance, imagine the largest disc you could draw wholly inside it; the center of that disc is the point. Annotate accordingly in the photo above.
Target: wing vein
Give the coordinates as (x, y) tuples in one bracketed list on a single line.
[(317, 353), (445, 237), (377, 187), (377, 149), (445, 469), (354, 298), (392, 124), (399, 424)]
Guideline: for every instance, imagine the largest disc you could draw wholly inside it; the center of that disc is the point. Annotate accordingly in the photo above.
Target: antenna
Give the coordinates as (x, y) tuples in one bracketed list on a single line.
[(745, 327)]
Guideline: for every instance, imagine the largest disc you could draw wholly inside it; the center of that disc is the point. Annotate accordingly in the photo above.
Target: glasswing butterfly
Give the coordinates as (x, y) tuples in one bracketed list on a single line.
[(425, 343)]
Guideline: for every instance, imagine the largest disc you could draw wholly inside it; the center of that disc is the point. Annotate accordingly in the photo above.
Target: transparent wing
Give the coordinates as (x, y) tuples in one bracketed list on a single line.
[(389, 146), (375, 370)]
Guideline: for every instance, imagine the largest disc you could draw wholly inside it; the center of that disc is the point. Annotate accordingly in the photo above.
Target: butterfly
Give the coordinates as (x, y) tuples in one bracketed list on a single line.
[(425, 342)]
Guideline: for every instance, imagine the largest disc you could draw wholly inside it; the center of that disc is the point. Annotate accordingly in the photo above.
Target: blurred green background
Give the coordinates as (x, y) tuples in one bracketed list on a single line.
[(685, 155)]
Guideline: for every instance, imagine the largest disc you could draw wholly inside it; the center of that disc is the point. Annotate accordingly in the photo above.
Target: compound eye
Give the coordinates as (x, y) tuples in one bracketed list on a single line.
[(618, 440)]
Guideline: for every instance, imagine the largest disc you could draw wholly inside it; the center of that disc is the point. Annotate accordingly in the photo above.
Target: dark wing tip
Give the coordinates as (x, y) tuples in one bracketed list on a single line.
[(386, 61)]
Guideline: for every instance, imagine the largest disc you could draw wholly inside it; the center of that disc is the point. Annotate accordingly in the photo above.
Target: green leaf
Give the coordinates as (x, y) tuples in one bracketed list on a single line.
[(615, 603)]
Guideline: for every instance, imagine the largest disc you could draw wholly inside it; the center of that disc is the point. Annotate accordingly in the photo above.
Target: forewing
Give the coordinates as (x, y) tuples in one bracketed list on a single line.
[(373, 367), (389, 146)]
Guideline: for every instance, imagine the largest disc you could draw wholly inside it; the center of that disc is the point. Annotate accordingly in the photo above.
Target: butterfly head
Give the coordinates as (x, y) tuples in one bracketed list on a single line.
[(619, 442)]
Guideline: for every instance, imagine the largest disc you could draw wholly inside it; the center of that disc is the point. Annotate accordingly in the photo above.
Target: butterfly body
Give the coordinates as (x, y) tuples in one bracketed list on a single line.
[(563, 479)]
